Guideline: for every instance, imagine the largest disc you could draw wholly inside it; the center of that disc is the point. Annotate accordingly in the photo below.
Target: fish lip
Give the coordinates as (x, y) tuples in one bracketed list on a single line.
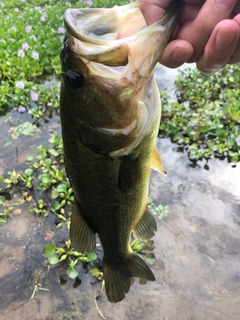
[(80, 34), (71, 24)]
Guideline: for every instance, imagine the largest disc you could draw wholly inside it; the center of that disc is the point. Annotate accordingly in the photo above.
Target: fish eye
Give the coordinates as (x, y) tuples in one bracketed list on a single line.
[(74, 79)]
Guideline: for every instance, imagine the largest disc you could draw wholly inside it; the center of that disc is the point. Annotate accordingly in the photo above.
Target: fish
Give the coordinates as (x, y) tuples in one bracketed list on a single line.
[(110, 115)]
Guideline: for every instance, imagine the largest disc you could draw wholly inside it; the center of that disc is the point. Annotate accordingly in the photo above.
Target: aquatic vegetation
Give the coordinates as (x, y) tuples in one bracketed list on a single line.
[(31, 36), (10, 206), (25, 128), (160, 211), (5, 214), (56, 255), (45, 173), (206, 117), (13, 179), (39, 208)]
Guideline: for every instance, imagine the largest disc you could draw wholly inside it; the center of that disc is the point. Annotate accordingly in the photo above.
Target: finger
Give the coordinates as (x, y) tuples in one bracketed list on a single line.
[(236, 55), (176, 53), (199, 30), (220, 47), (152, 10)]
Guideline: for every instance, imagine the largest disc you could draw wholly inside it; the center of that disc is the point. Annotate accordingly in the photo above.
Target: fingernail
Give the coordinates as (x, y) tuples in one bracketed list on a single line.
[(225, 4), (224, 38), (180, 54)]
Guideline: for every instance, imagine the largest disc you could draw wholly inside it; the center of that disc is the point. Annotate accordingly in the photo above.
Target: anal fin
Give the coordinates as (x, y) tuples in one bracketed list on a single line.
[(82, 237), (146, 226), (156, 163)]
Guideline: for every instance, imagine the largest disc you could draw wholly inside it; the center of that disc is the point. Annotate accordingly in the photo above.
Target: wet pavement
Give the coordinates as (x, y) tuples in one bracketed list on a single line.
[(197, 249)]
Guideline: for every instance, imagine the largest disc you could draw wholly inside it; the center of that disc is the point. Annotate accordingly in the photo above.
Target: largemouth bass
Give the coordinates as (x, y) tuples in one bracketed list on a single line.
[(110, 115)]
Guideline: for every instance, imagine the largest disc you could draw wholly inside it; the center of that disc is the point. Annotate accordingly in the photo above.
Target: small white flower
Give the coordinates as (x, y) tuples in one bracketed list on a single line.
[(20, 84), (28, 28), (33, 37), (25, 46), (21, 53), (21, 109), (35, 55), (34, 96), (60, 30)]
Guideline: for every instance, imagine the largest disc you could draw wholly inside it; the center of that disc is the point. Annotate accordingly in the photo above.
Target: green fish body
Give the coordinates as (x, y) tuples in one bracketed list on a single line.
[(110, 115)]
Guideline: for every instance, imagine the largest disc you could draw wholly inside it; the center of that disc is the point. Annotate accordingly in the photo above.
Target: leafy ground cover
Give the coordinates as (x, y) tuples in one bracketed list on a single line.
[(206, 118), (31, 34)]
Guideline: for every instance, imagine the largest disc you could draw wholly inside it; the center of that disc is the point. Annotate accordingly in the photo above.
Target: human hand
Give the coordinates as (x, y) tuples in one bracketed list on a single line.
[(207, 32)]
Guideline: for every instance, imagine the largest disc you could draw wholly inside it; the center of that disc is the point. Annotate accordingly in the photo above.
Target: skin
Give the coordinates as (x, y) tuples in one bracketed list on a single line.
[(207, 32)]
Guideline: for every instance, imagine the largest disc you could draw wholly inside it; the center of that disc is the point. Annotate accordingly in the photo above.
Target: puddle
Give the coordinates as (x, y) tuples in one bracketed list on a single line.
[(197, 249)]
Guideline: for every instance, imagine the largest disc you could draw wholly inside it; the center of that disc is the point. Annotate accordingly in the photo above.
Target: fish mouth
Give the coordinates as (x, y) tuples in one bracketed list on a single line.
[(101, 25), (118, 36), (101, 32)]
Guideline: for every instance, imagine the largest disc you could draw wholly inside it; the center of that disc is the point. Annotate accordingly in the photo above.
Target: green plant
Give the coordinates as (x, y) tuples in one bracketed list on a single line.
[(31, 35), (55, 255), (40, 208), (13, 179), (139, 246), (206, 117), (160, 211), (28, 178), (65, 193), (5, 214)]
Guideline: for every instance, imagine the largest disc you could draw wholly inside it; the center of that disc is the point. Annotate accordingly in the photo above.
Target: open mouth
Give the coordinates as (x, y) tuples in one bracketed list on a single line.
[(104, 25)]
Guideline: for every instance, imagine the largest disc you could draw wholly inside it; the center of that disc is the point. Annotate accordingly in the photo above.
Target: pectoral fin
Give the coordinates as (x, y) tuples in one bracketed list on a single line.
[(128, 173), (82, 237), (146, 227), (156, 163)]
